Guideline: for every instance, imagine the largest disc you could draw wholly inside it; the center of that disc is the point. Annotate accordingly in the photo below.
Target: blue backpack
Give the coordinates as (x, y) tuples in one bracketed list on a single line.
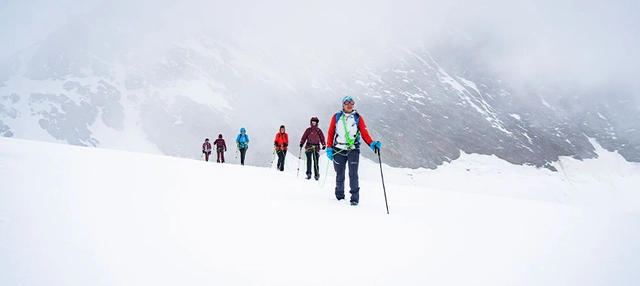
[(355, 116)]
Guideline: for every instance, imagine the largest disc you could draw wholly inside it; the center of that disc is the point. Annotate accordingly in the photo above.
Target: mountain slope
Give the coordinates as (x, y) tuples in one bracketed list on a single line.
[(81, 216), (162, 89)]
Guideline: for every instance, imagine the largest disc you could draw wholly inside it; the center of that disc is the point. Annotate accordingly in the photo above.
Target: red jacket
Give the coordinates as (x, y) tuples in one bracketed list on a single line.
[(282, 141)]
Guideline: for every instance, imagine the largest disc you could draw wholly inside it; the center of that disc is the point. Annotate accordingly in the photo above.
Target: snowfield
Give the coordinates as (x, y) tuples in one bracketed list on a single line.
[(87, 216)]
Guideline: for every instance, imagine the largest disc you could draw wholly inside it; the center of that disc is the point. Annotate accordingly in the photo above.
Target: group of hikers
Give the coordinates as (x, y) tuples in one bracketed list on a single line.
[(342, 147), (221, 147), (242, 143)]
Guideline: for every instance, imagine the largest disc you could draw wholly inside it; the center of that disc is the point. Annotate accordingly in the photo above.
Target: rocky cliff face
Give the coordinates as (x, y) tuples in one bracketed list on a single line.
[(95, 84)]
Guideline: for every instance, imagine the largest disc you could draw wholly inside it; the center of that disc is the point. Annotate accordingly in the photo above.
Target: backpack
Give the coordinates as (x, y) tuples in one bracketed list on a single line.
[(355, 116)]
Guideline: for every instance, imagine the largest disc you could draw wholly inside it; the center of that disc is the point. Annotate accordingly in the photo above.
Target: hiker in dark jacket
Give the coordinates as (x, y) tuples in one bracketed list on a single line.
[(314, 138), (281, 144), (345, 130), (221, 147), (206, 149)]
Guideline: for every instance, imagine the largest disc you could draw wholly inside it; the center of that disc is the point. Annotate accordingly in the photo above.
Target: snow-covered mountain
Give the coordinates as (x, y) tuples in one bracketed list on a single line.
[(160, 88)]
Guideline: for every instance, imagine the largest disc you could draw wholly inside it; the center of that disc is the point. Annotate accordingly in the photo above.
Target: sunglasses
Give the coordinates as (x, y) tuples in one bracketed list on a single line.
[(349, 102)]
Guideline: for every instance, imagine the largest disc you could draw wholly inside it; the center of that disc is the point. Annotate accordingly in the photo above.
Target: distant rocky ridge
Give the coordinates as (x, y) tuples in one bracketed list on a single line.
[(425, 104)]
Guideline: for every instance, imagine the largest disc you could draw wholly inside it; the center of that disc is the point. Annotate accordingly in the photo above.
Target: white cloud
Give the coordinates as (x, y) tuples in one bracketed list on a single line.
[(586, 42)]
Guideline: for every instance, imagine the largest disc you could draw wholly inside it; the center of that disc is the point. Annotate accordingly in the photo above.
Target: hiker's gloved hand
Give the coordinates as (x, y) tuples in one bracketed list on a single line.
[(301, 144), (324, 147), (375, 145), (330, 154), (286, 144)]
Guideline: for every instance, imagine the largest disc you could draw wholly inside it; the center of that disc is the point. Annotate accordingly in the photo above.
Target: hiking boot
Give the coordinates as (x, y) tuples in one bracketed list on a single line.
[(317, 178), (308, 176), (339, 199), (354, 203)]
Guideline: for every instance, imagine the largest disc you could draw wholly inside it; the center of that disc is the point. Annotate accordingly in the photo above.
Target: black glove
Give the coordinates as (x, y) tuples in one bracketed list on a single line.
[(301, 144), (324, 147), (285, 144)]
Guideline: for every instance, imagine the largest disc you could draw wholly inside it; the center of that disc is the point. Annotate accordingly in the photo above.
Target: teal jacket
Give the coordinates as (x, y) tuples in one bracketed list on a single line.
[(242, 141)]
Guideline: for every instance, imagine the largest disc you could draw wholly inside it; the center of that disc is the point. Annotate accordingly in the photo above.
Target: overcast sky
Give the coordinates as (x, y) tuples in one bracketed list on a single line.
[(589, 39), (24, 22)]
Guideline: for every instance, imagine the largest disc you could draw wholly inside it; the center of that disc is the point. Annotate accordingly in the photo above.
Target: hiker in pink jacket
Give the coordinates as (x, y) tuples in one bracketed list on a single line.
[(206, 149)]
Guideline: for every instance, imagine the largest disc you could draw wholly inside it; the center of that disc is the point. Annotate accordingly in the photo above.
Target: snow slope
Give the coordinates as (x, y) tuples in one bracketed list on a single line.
[(84, 216)]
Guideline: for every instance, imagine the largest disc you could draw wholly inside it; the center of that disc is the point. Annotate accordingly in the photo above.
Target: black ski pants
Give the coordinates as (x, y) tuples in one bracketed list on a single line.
[(312, 155), (243, 153), (281, 156)]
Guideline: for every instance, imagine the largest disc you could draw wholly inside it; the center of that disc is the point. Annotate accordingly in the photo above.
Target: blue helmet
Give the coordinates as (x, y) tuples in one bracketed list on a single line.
[(242, 130), (347, 98)]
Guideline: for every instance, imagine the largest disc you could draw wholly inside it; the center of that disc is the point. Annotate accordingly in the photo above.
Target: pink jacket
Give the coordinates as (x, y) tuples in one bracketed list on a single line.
[(206, 146)]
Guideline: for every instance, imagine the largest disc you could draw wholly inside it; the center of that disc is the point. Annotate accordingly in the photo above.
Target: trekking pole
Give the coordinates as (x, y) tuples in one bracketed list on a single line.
[(299, 156), (273, 157), (377, 150), (236, 159)]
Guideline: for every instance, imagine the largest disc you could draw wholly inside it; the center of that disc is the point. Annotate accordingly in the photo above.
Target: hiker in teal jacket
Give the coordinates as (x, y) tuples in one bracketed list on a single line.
[(242, 144)]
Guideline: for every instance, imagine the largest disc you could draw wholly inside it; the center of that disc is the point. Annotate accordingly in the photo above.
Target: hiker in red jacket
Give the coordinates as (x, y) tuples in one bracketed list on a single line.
[(206, 149), (281, 144), (346, 129), (314, 138), (221, 147)]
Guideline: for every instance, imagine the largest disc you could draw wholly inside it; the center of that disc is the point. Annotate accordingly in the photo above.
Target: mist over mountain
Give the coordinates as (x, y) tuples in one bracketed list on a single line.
[(160, 77)]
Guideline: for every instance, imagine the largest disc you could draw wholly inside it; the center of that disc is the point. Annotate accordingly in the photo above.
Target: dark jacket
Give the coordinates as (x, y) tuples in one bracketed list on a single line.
[(220, 145), (314, 138)]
